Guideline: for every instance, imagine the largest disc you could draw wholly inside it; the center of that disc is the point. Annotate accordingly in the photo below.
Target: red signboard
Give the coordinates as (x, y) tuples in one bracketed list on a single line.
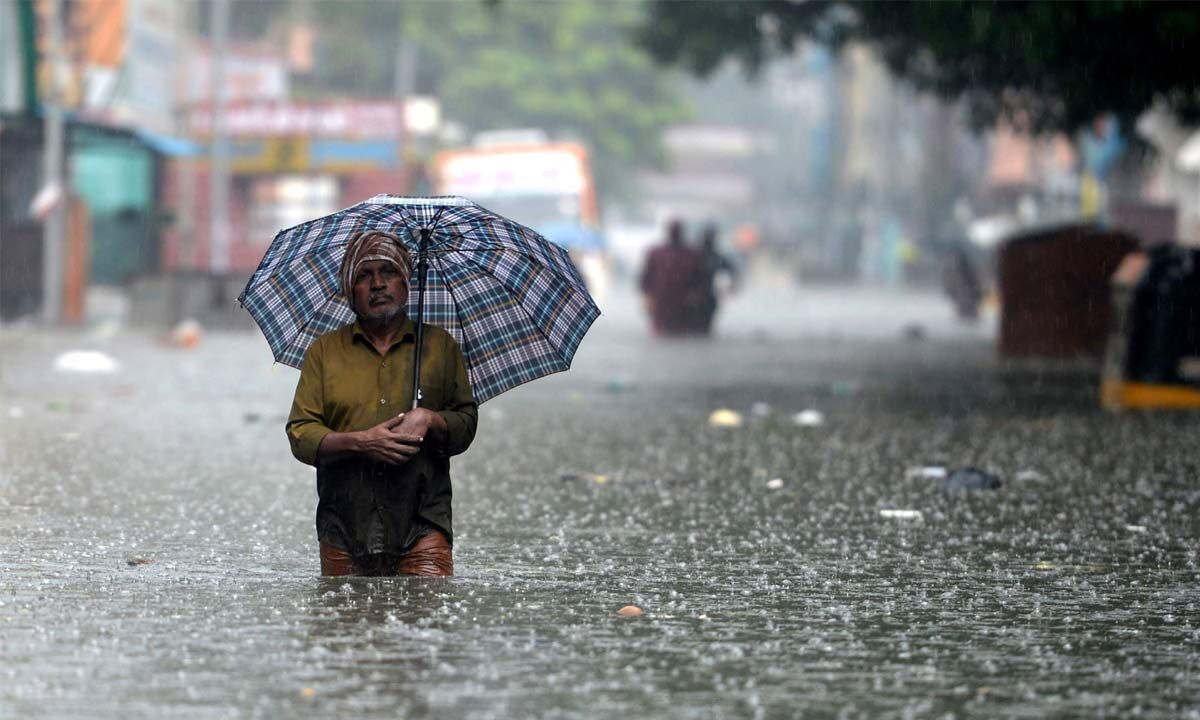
[(367, 119)]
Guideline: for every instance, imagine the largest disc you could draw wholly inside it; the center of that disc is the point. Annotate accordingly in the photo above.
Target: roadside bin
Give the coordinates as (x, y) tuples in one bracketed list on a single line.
[(1054, 290)]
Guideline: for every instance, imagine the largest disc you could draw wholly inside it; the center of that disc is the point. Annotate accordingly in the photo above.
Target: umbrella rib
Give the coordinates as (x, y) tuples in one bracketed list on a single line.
[(501, 248), (437, 215), (526, 314), (450, 291)]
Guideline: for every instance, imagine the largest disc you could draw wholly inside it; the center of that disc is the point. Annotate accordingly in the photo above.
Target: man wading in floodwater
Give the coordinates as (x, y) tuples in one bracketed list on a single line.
[(383, 469)]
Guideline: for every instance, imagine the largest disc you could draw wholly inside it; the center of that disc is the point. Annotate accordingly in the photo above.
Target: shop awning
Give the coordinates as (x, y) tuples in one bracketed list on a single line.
[(169, 146)]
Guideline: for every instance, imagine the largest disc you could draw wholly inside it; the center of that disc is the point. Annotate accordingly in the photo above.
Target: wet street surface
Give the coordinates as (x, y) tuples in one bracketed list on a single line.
[(160, 558)]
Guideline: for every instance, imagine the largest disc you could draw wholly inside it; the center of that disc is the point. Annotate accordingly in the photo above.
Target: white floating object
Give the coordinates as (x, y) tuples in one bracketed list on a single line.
[(1136, 528), (928, 472), (1029, 476), (809, 418), (774, 483), (85, 361), (725, 418), (901, 514)]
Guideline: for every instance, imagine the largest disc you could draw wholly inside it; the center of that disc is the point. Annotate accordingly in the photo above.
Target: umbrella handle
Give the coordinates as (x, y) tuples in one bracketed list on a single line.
[(421, 268)]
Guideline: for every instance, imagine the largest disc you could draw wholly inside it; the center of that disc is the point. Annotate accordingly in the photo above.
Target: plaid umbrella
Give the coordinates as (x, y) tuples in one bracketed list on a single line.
[(512, 300)]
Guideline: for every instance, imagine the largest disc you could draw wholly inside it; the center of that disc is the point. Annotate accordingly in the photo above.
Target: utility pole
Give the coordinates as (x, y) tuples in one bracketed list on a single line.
[(404, 83), (185, 30), (218, 175), (53, 138), (406, 68)]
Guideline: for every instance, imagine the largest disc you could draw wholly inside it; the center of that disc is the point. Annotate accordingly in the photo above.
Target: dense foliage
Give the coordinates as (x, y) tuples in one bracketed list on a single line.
[(1042, 65)]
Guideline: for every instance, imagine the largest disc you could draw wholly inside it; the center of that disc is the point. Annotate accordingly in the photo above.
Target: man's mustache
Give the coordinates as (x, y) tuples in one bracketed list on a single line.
[(380, 296)]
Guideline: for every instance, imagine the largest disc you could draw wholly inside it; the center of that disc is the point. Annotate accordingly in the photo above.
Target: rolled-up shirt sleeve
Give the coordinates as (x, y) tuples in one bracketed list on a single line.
[(461, 412), (306, 422)]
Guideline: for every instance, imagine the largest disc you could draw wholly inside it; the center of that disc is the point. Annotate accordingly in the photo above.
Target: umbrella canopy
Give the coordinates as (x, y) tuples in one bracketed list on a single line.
[(512, 300)]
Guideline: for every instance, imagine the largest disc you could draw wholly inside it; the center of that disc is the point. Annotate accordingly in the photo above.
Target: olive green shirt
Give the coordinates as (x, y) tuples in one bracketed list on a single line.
[(345, 385)]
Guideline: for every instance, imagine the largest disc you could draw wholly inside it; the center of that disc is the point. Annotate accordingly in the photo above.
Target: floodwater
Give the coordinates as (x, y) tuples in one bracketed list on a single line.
[(159, 557)]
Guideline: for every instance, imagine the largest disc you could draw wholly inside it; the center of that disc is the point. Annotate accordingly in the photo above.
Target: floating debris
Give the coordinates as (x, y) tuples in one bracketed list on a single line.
[(308, 692), (774, 483), (970, 478), (1044, 565), (187, 334), (1136, 528), (725, 418), (897, 514), (809, 418), (576, 477), (1030, 476), (927, 472), (631, 611), (135, 561), (91, 362)]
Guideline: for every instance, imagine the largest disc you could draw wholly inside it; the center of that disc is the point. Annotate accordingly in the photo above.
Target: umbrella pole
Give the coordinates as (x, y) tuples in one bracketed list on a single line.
[(416, 392)]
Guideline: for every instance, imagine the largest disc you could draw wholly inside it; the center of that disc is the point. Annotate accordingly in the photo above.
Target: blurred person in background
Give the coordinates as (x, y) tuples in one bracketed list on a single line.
[(961, 283), (718, 277), (672, 284), (383, 466)]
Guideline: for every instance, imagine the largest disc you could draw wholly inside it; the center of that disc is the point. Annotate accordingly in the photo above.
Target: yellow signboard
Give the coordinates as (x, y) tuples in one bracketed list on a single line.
[(298, 154), (270, 155)]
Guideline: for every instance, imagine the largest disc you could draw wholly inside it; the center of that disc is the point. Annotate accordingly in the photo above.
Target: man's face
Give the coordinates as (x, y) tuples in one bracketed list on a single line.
[(380, 291)]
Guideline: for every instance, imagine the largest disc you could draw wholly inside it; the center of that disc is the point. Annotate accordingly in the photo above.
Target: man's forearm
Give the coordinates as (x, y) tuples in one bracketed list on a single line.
[(460, 430), (437, 430), (338, 446)]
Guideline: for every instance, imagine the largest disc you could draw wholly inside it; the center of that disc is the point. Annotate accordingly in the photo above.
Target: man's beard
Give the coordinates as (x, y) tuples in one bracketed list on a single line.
[(383, 317)]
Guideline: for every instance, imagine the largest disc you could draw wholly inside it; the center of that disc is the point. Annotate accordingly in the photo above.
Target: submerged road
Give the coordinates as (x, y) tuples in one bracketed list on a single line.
[(160, 561)]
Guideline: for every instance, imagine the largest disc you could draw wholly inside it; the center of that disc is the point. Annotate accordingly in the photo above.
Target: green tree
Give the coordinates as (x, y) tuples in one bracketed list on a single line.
[(566, 67), (1042, 65)]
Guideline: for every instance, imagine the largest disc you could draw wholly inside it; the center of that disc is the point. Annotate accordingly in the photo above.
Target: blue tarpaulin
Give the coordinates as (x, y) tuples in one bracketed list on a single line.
[(572, 236)]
